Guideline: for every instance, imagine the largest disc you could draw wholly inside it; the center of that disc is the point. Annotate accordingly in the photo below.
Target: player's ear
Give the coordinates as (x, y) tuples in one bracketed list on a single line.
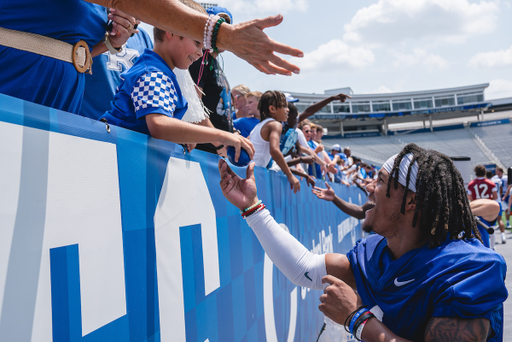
[(169, 35), (410, 203), (272, 109)]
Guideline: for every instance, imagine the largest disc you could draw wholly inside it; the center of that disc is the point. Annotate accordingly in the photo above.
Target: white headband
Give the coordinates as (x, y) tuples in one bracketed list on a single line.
[(404, 167)]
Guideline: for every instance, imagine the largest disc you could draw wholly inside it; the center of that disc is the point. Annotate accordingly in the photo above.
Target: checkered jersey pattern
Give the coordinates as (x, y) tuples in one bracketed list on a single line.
[(155, 90)]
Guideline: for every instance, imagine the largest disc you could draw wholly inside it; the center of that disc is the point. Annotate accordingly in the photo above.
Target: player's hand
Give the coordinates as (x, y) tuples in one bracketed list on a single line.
[(122, 27), (339, 300), (238, 142), (325, 194), (242, 193), (294, 184), (248, 41)]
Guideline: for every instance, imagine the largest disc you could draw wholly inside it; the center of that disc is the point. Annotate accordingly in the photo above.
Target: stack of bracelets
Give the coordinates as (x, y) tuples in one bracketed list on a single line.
[(258, 206), (211, 29), (355, 322)]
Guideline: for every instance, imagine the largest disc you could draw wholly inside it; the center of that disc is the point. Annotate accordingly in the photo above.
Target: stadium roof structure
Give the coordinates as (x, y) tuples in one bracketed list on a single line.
[(367, 113)]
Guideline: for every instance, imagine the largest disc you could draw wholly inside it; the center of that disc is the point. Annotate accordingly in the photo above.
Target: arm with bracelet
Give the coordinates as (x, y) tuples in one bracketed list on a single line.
[(297, 263)]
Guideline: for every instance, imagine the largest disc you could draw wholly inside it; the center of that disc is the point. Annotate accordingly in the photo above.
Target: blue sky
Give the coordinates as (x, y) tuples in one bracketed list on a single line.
[(384, 46)]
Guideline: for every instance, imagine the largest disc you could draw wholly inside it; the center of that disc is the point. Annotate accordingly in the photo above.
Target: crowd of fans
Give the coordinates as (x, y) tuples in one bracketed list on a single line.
[(176, 90), (151, 98)]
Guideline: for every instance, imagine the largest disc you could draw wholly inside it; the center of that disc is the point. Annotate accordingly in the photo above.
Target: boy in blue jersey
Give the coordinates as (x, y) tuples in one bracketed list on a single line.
[(423, 276), (100, 87), (149, 99), (246, 124)]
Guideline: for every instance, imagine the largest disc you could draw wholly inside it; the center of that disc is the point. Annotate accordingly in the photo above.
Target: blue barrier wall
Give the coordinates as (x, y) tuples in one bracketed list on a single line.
[(115, 236)]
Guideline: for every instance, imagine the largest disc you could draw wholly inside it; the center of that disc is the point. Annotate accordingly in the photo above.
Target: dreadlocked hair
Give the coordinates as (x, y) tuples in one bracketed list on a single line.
[(270, 98), (440, 196)]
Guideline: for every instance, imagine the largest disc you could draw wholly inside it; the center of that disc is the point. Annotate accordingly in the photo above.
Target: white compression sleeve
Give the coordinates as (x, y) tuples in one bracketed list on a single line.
[(298, 264)]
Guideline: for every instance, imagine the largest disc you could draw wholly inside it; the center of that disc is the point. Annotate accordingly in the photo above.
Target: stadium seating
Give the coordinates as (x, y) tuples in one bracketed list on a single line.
[(497, 139), (458, 142)]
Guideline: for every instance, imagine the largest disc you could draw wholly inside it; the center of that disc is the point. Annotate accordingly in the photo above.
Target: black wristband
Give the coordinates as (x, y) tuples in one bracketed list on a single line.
[(360, 321), (218, 147), (349, 318)]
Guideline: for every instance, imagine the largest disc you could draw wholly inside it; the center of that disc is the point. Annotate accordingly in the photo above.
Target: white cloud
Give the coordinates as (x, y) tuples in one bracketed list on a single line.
[(498, 89), (420, 56), (435, 62), (264, 6), (395, 21), (382, 90), (493, 59), (336, 53)]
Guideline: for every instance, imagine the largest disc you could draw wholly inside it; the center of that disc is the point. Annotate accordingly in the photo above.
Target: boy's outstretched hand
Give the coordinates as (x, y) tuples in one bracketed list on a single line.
[(325, 194), (240, 192)]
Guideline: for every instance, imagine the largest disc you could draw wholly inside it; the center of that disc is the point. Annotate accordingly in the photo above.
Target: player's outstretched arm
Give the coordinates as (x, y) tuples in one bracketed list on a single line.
[(246, 40), (297, 263)]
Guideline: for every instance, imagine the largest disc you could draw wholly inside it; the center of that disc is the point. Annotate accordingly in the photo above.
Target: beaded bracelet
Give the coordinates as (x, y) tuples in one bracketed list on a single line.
[(260, 207), (251, 207), (253, 210), (208, 31), (215, 33)]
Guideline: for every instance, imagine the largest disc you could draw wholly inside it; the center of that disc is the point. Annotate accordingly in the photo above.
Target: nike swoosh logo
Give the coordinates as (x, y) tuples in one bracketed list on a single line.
[(306, 275), (402, 283)]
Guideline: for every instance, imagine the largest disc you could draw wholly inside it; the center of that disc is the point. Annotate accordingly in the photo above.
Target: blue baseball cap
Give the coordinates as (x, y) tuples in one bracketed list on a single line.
[(217, 9), (343, 156), (290, 98)]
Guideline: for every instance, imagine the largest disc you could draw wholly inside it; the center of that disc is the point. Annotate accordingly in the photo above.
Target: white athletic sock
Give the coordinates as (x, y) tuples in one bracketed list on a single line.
[(492, 240), (503, 237)]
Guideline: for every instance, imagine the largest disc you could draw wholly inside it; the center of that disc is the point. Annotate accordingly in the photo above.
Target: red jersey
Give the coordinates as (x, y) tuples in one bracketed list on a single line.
[(481, 188)]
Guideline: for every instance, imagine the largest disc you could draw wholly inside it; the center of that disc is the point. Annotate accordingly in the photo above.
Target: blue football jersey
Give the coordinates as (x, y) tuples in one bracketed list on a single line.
[(149, 87), (460, 278), (46, 80), (100, 87)]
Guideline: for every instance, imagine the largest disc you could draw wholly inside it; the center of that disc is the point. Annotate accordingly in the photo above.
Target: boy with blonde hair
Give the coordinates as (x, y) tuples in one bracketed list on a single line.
[(238, 95), (247, 124), (149, 99)]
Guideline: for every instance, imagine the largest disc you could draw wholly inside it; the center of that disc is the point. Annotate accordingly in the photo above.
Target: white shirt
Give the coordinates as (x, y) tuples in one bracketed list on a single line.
[(261, 147)]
